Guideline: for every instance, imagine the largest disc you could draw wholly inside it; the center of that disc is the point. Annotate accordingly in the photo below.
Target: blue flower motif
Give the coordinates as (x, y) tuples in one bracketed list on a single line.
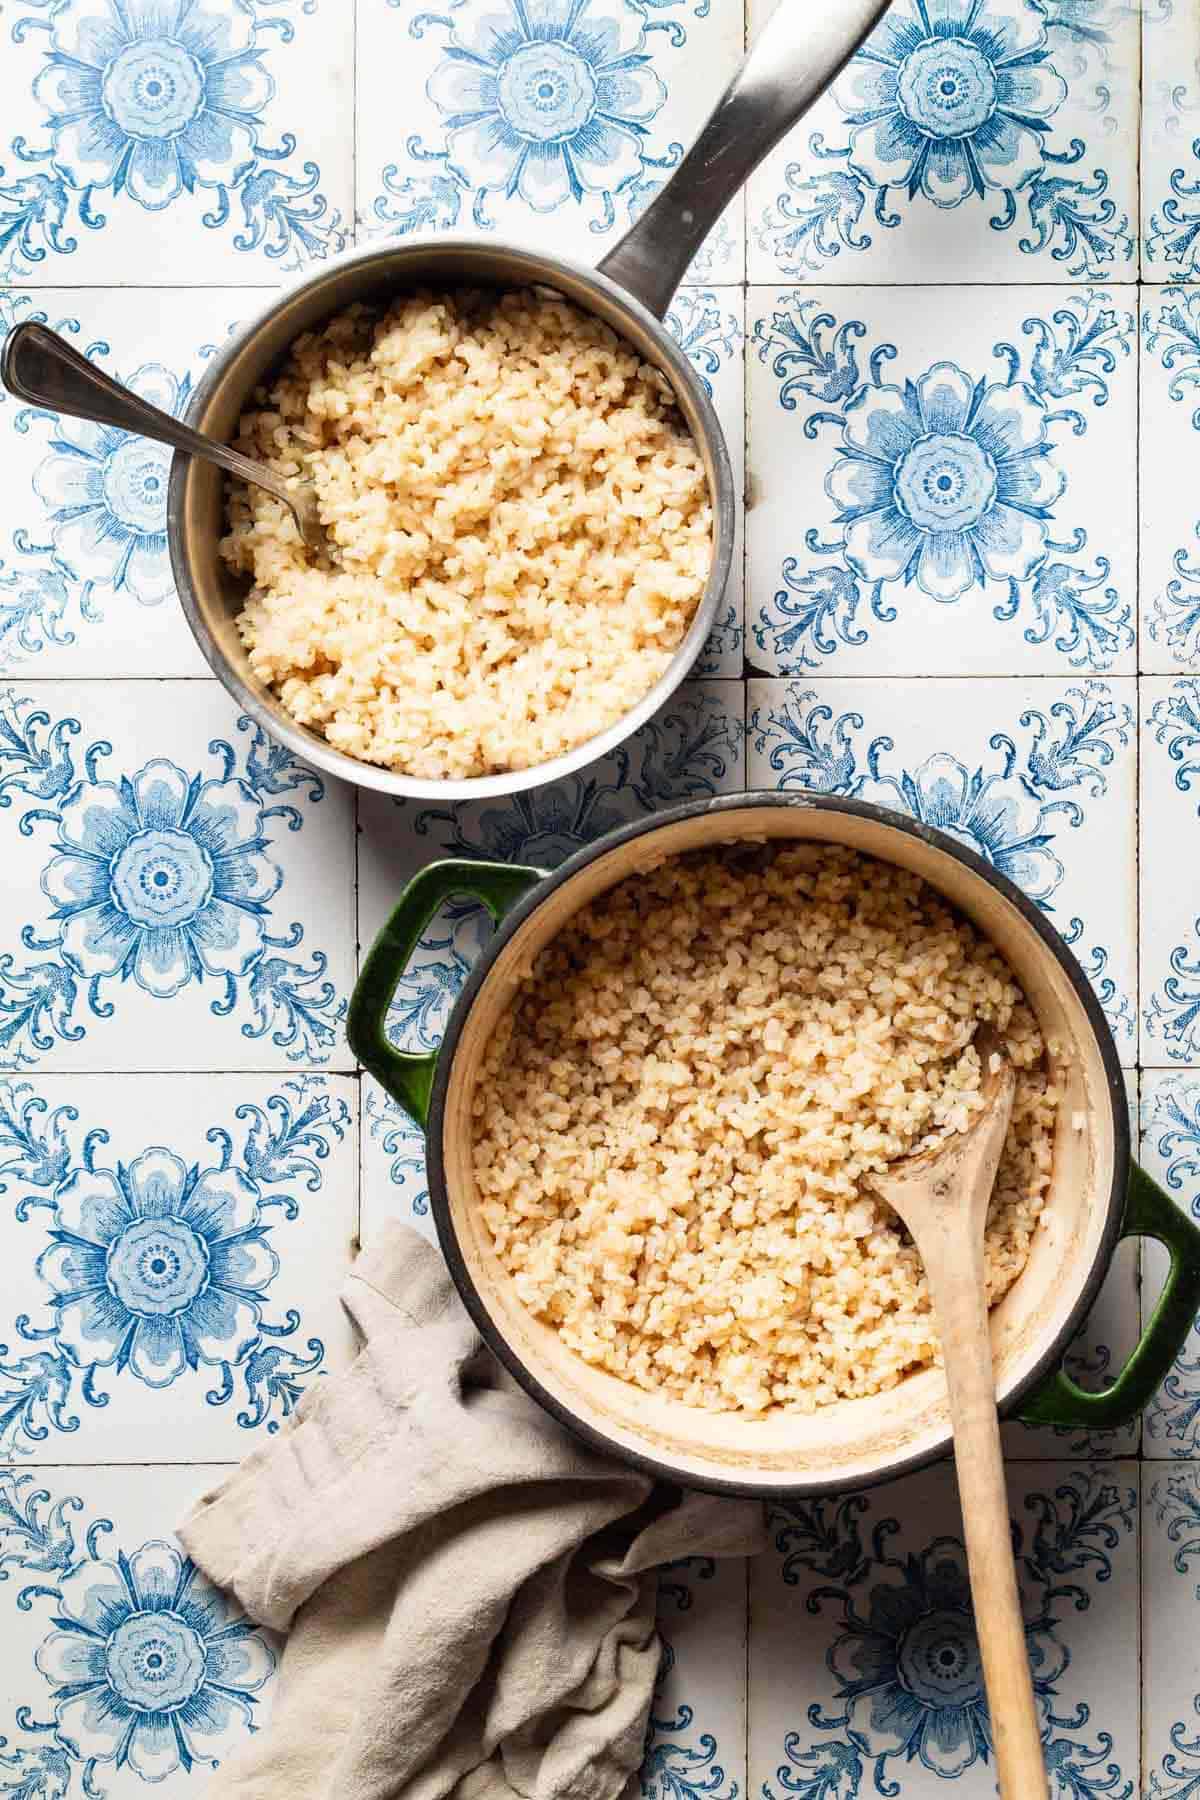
[(153, 98), (990, 815), (548, 99), (106, 493), (150, 1659), (950, 99), (161, 878), (945, 481), (157, 1267), (910, 1670)]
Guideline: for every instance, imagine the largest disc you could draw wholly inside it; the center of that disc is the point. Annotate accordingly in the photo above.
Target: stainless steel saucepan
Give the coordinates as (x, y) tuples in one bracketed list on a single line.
[(801, 49)]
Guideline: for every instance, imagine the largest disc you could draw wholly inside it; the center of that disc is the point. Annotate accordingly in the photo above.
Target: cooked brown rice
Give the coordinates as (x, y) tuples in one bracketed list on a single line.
[(523, 530), (675, 1123)]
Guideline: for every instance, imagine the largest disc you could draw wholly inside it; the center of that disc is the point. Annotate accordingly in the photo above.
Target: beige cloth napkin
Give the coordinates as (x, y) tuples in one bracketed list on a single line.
[(470, 1592)]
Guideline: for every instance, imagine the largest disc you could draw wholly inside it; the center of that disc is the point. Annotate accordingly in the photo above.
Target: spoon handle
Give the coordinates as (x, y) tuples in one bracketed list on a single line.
[(796, 55), (961, 1305), (41, 367)]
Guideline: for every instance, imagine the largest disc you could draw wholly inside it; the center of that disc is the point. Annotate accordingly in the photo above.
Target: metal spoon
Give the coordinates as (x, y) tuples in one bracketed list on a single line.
[(41, 367), (942, 1196)]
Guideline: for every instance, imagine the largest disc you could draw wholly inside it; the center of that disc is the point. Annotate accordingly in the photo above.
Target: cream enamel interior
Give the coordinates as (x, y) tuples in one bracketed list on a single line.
[(853, 1440)]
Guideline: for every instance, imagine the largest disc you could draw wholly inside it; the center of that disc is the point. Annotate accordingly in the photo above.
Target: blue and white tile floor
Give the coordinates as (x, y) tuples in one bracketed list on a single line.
[(1009, 250)]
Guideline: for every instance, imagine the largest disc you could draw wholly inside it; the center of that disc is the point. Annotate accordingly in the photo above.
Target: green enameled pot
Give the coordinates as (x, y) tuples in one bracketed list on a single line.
[(1097, 1195)]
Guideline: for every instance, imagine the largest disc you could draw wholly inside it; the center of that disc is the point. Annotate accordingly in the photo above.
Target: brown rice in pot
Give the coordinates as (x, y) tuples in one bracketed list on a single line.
[(675, 1122), (523, 527)]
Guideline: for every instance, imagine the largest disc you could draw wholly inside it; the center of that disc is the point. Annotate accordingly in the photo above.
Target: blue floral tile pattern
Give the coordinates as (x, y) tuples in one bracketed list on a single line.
[(393, 1165), (865, 1671), (1170, 1547), (85, 578), (957, 478), (1170, 1150), (133, 1669), (550, 122), (1045, 794), (155, 879), (139, 1284), (965, 141), (1170, 538), (178, 109)]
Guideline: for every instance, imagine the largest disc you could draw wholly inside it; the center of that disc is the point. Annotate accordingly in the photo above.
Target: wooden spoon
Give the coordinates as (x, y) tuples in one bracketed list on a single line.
[(942, 1196)]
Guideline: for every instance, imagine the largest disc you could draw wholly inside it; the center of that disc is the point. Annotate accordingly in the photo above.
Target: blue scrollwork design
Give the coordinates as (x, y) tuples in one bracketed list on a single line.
[(148, 1666), (1173, 335), (550, 108), (908, 1681), (404, 1142), (948, 482), (146, 105), (162, 878), (946, 106), (155, 1267), (1172, 1013), (1175, 1503)]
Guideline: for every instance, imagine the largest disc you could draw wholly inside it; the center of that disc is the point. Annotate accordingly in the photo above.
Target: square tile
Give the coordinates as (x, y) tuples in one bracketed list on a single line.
[(179, 891), (864, 1670), (1170, 828), (697, 1741), (940, 488), (85, 577), (962, 144), (1168, 423), (1038, 776), (1171, 1644), (1170, 1141), (213, 151), (192, 1331), (499, 130), (1170, 163), (69, 1540), (1101, 1349)]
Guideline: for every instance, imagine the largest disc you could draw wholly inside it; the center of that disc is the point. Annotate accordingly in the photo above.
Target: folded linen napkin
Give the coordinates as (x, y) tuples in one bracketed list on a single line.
[(469, 1590)]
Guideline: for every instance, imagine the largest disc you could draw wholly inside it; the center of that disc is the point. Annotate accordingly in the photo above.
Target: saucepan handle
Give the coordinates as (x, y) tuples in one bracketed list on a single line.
[(408, 1075), (801, 48), (1059, 1400)]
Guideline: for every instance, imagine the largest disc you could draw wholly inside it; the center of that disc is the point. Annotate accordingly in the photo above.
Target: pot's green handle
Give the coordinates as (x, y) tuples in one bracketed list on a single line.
[(1059, 1400), (408, 1075)]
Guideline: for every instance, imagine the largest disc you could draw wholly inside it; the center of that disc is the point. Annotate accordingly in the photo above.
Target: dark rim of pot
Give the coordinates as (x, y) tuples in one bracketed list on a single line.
[(733, 803)]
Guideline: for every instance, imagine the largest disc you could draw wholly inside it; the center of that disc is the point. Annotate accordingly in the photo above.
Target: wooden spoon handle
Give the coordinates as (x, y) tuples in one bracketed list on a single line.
[(967, 1351)]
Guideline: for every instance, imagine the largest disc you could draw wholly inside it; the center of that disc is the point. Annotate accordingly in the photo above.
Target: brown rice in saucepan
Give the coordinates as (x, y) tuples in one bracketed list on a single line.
[(523, 529), (673, 1125)]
